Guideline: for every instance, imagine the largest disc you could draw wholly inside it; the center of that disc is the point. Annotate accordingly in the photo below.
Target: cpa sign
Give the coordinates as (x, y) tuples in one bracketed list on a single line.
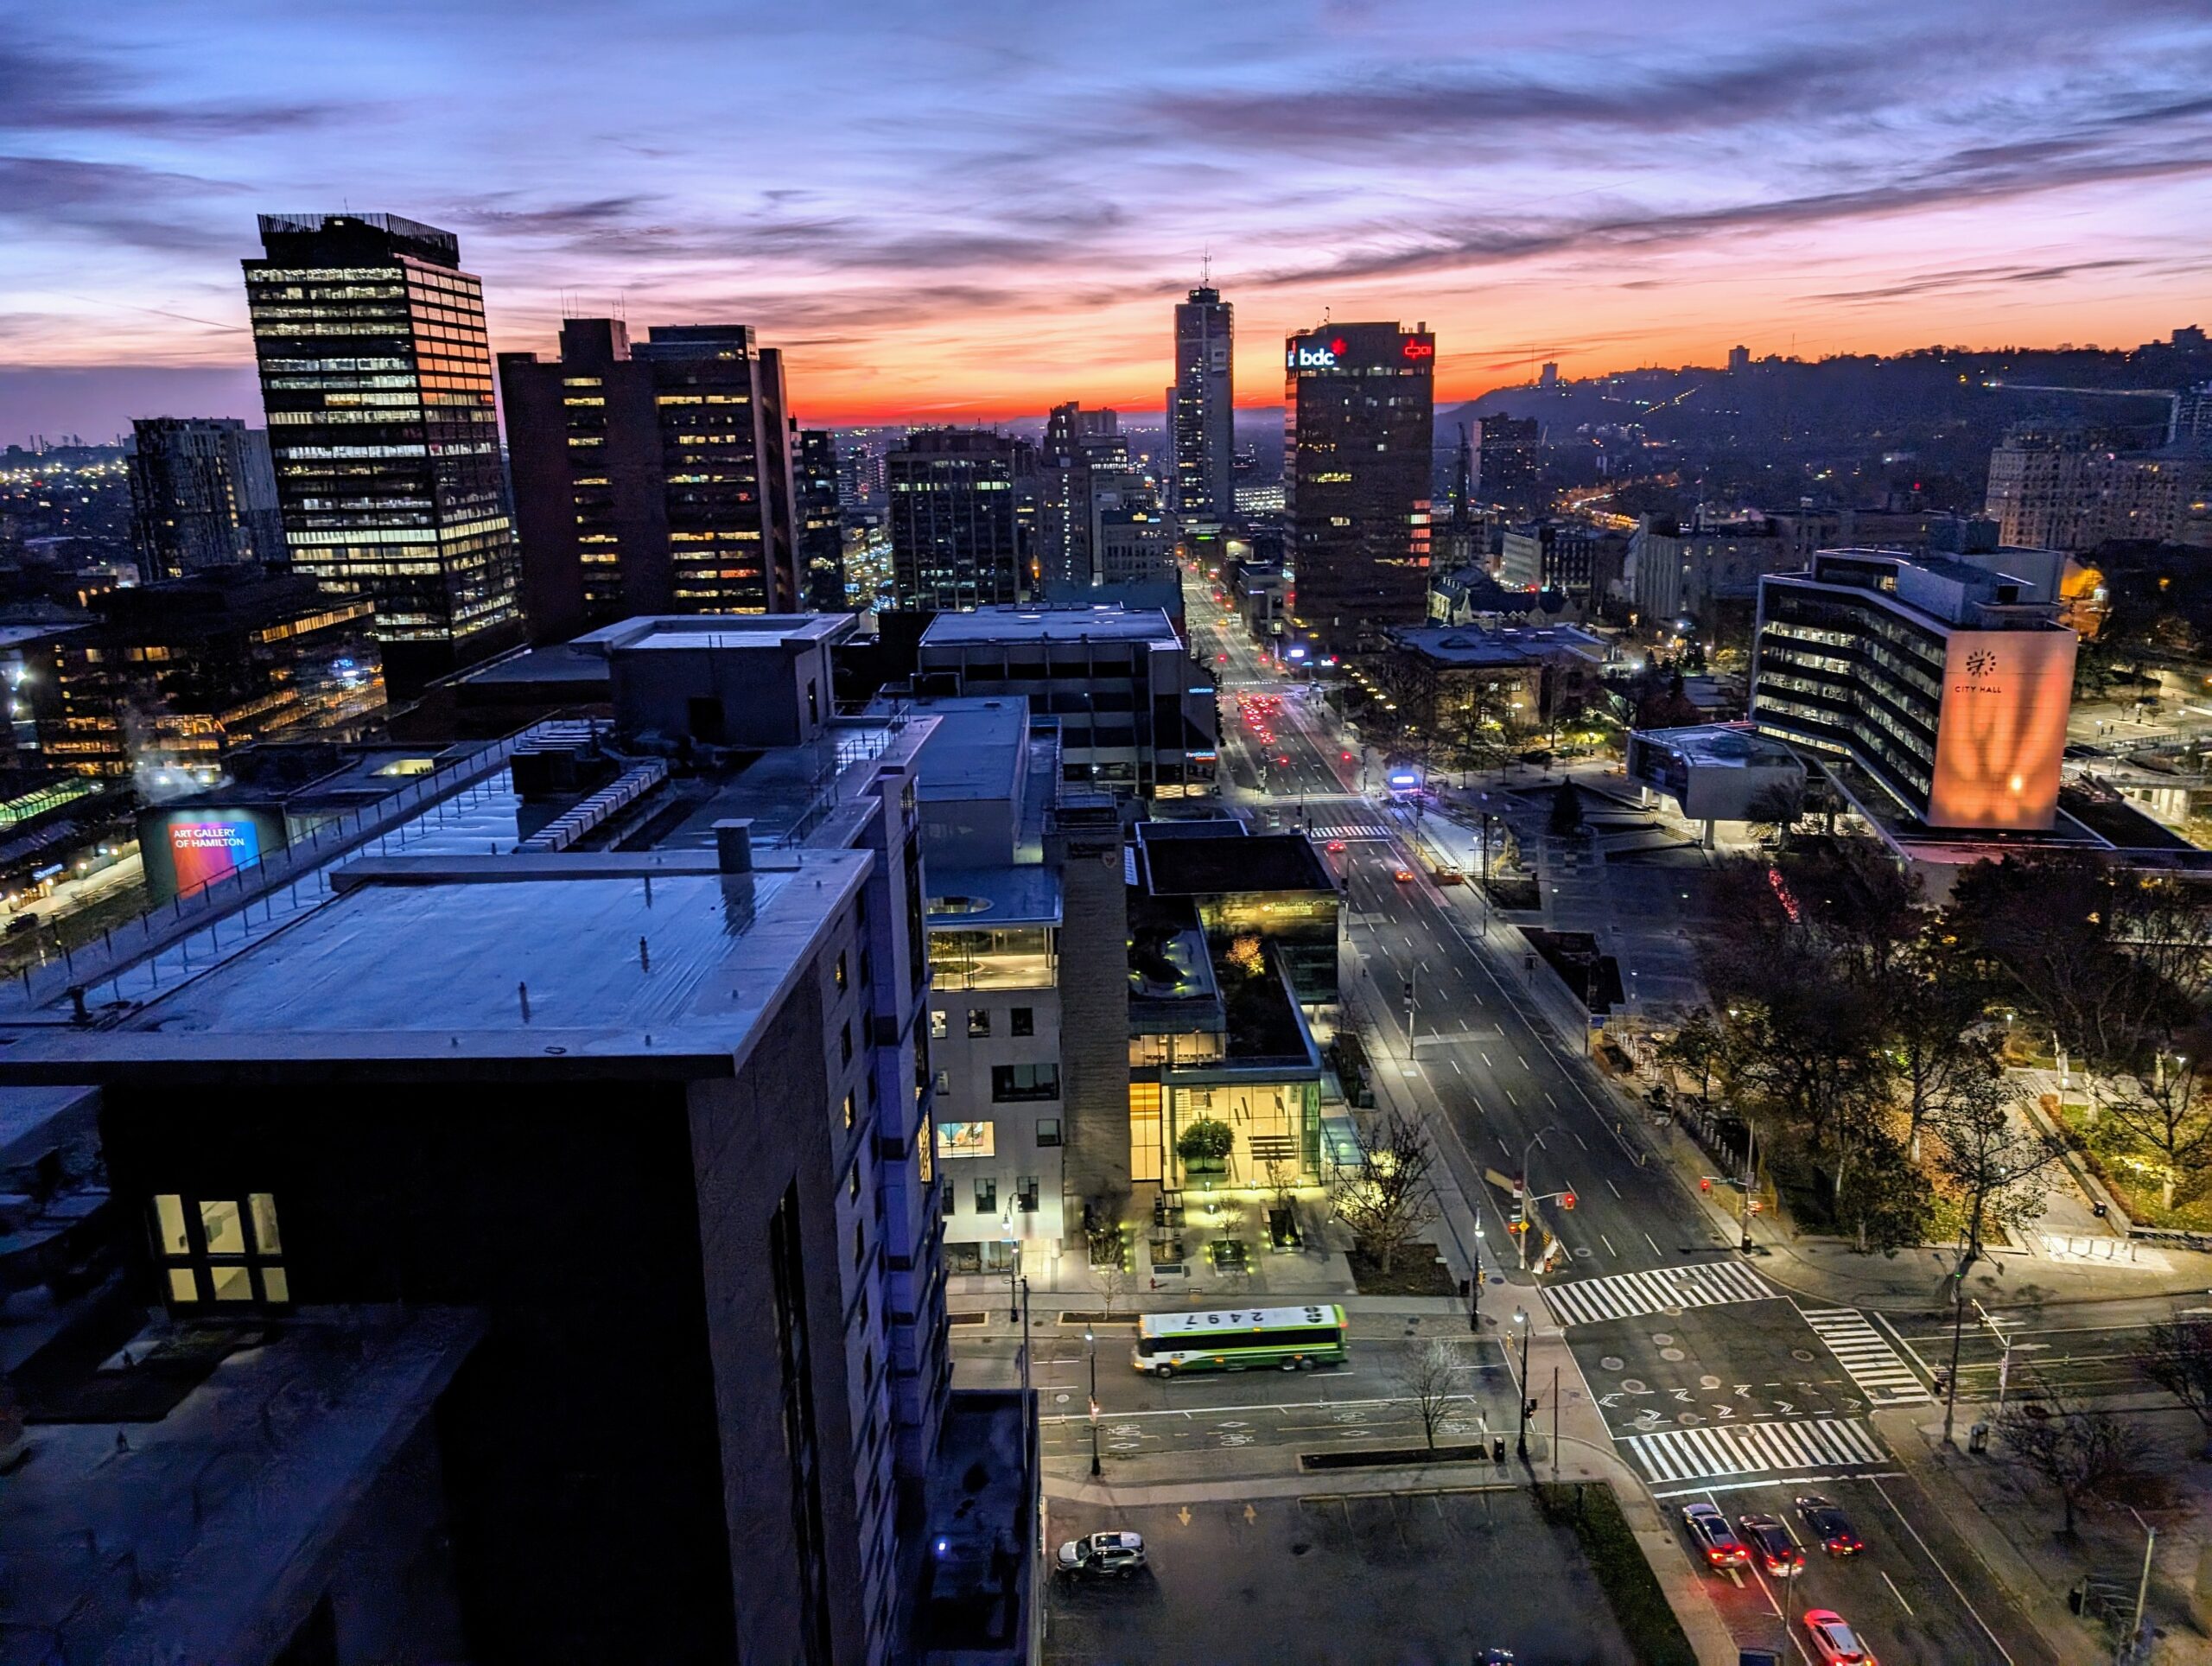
[(1417, 348)]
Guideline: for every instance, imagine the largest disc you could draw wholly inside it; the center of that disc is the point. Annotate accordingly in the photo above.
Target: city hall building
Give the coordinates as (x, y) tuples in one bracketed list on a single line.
[(1938, 680)]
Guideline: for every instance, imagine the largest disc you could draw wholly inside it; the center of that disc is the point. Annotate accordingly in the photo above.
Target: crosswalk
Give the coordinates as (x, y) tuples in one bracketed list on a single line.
[(1872, 1363), (1713, 1451), (1625, 1295), (1351, 830)]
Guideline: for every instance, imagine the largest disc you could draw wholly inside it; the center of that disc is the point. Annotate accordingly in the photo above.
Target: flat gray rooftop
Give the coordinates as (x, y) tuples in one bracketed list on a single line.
[(1023, 894), (1109, 623), (215, 1523), (427, 961), (1723, 745), (977, 751), (714, 631)]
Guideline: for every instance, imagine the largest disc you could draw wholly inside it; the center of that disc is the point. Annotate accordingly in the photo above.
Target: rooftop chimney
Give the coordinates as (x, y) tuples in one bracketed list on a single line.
[(734, 845)]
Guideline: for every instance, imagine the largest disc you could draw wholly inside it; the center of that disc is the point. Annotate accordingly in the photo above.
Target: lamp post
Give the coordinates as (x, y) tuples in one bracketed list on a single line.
[(1475, 1285), (1013, 1269), (1521, 1324), (1091, 1342)]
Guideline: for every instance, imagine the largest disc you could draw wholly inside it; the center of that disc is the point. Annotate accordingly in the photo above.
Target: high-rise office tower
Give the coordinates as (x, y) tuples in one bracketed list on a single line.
[(377, 382), (960, 524), (1099, 520), (1201, 409), (203, 494), (651, 478), (821, 521), (1506, 461), (1358, 423)]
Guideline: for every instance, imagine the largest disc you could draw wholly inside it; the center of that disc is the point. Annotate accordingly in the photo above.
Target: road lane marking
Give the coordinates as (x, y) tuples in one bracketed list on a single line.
[(1945, 1572), (1894, 1592), (1608, 1243), (1625, 1296), (1611, 1187), (1652, 1241), (1580, 1141), (1871, 1362), (1734, 1449)]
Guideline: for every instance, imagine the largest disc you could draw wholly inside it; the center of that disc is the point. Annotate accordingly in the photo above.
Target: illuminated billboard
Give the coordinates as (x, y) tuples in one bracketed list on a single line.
[(186, 850), (2003, 729)]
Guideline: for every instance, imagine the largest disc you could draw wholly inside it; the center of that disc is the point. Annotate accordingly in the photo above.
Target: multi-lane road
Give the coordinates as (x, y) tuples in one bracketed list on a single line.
[(1715, 1381)]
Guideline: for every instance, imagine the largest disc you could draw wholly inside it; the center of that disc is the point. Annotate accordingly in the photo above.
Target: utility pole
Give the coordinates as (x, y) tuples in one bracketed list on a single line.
[(2135, 1638), (1750, 1179), (1475, 1285), (1521, 1323), (1413, 975), (1555, 1426)]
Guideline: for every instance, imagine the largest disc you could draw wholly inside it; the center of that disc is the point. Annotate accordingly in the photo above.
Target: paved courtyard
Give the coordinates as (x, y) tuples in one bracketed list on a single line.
[(1409, 1577)]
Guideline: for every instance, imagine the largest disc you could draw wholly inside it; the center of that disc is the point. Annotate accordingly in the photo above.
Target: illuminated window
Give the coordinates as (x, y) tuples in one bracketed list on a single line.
[(219, 1250), (852, 1110), (840, 973), (967, 1140), (939, 1024)]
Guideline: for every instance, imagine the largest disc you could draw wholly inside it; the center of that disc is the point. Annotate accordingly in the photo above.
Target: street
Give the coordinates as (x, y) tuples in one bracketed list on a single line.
[(1711, 1379)]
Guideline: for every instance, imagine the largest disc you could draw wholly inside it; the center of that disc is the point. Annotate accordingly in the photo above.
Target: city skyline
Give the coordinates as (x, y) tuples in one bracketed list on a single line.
[(1003, 216)]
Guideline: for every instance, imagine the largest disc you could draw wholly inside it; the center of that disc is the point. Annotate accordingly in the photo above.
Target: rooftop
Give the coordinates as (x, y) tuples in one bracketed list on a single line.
[(1023, 894), (466, 960), (1106, 622), (219, 1517), (977, 752), (1727, 746), (721, 630), (1213, 866), (1514, 645)]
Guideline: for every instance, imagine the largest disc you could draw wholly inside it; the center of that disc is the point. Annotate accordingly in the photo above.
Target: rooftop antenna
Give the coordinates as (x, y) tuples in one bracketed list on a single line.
[(1205, 268)]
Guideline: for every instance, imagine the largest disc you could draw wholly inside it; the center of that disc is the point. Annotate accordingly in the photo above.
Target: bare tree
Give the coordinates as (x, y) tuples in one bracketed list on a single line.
[(1997, 1164), (2165, 1108), (1997, 1167), (2085, 1456), (2177, 1355), (1386, 1197), (1433, 1376), (1114, 1282)]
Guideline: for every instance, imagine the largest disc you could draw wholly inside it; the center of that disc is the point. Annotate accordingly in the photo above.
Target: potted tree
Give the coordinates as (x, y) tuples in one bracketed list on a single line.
[(1204, 1147)]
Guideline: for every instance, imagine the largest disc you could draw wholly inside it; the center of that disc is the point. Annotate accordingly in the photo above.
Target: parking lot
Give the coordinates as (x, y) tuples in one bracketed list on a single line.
[(1407, 1577)]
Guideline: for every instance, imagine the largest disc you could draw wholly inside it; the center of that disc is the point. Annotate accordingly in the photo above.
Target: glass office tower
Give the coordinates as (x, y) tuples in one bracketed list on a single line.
[(376, 379)]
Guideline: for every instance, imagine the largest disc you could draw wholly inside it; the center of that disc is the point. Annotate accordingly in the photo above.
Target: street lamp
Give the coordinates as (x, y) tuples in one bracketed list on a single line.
[(1521, 1324), (1475, 1285), (1091, 1342), (1012, 1269)]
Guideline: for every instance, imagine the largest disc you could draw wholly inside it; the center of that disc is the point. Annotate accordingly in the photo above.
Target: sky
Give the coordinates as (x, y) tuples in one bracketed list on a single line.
[(972, 209)]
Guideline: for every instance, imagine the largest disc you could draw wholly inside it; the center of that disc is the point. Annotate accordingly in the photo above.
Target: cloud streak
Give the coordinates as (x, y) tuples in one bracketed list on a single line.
[(984, 208)]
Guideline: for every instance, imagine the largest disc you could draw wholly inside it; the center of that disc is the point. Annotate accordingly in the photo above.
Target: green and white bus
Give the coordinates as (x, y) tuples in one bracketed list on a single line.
[(1240, 1339)]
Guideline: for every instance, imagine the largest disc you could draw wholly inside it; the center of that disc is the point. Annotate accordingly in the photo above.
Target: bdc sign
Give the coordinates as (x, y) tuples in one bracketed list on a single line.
[(1316, 357)]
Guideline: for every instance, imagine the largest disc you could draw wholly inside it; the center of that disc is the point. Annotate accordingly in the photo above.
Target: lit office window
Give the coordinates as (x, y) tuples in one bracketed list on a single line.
[(221, 1250)]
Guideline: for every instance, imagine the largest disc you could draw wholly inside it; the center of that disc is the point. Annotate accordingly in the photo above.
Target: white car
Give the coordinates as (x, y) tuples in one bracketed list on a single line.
[(1102, 1555)]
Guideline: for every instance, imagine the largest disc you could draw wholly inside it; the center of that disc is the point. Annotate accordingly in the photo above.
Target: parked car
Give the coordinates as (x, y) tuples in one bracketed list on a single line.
[(1710, 1531), (23, 922), (1830, 1527), (1102, 1555), (1777, 1552), (1834, 1642)]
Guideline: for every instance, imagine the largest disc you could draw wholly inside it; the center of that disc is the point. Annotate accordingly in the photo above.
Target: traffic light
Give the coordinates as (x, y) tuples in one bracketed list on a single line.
[(1529, 1410), (1567, 1200)]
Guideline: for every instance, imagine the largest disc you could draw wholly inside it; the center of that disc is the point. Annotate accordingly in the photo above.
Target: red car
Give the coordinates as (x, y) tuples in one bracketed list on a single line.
[(1335, 847), (1834, 1643), (1710, 1531), (1404, 876)]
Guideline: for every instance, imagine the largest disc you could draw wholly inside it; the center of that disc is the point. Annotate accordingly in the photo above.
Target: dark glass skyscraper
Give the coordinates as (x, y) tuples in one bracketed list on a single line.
[(376, 379), (202, 494), (1201, 409), (1358, 423), (961, 511), (652, 477), (821, 522)]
